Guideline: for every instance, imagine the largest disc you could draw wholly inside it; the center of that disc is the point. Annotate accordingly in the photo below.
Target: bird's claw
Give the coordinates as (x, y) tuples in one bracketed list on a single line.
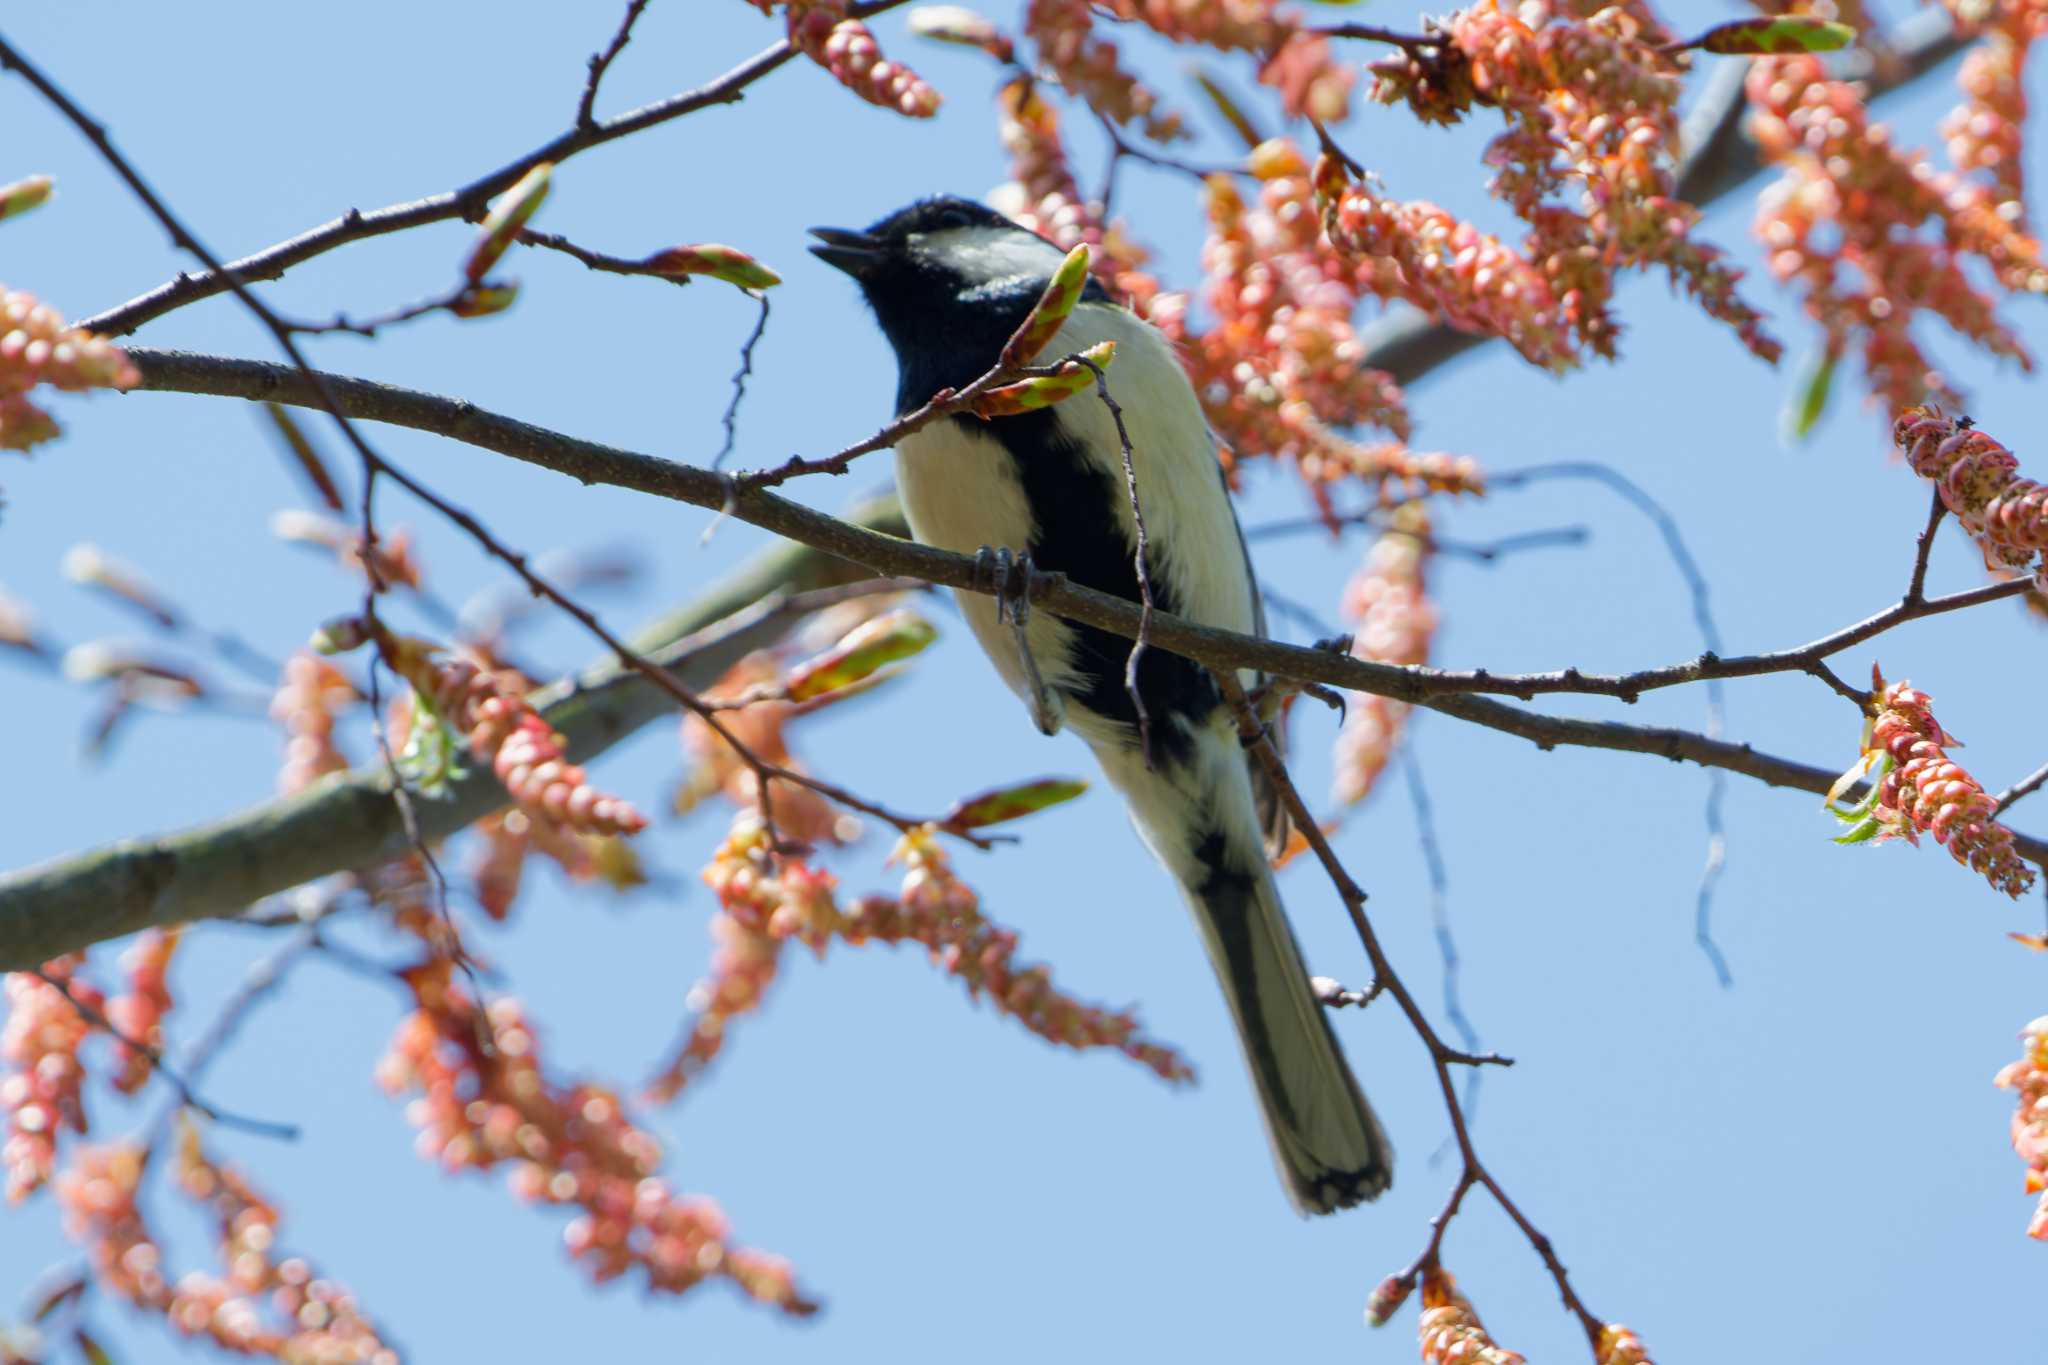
[(1007, 575)]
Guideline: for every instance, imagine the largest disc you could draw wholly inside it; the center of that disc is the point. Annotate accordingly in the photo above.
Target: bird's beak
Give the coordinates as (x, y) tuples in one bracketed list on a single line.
[(844, 249)]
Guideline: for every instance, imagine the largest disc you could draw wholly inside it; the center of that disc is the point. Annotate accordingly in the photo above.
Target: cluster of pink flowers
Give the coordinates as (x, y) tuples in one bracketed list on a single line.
[(1847, 227), (1295, 61), (306, 704), (1919, 789), (1983, 133), (1089, 66), (844, 46), (324, 1324), (570, 1146), (1043, 195), (1588, 161), (37, 348), (766, 901), (1980, 483), (1443, 265), (2029, 1076), (1389, 599), (137, 1013), (504, 841), (319, 1322), (763, 902), (1450, 1330), (42, 1086), (488, 708), (1281, 371)]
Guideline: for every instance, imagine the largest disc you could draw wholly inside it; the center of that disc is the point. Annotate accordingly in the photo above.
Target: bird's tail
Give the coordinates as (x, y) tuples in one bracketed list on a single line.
[(1199, 817)]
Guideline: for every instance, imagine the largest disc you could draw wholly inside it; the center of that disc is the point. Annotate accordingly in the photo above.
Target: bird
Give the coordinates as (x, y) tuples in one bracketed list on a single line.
[(948, 280)]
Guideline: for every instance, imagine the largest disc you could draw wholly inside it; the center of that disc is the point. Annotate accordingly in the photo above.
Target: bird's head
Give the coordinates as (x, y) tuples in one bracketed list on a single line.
[(939, 256)]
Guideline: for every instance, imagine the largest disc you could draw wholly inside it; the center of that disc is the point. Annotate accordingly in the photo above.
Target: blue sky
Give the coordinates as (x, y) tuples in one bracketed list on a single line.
[(1811, 1165)]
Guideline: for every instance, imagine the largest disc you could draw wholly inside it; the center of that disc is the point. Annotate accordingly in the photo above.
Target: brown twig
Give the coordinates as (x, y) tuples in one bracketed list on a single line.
[(1923, 546), (600, 62), (369, 327), (262, 977), (739, 381), (596, 260), (1141, 559), (1442, 1056), (1412, 43), (2021, 789), (1121, 149)]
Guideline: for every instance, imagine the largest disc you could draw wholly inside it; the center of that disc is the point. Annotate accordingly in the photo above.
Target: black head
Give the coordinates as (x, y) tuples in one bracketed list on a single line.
[(939, 265)]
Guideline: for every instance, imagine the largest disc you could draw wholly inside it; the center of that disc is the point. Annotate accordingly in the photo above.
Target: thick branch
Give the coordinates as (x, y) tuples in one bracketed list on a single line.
[(1718, 158), (350, 820)]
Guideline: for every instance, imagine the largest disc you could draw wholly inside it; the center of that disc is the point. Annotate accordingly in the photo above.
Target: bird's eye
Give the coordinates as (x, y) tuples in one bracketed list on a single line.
[(954, 218)]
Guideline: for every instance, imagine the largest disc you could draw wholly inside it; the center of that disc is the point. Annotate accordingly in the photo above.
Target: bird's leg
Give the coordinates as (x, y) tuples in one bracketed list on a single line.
[(1008, 576)]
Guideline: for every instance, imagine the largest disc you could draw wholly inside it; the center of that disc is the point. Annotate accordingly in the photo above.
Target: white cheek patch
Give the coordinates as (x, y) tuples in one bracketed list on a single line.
[(987, 256)]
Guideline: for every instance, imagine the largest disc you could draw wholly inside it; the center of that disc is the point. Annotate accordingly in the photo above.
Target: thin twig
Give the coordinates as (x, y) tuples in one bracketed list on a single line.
[(597, 260), (1442, 1056), (1440, 915), (262, 977), (187, 1097), (1923, 546), (600, 62), (2021, 789), (1412, 43), (468, 202), (1141, 560), (739, 381), (1483, 552), (369, 327)]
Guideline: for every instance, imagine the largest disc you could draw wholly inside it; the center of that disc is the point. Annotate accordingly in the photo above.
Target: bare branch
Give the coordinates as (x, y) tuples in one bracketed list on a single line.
[(731, 420), (592, 462), (468, 202), (2025, 787), (600, 62)]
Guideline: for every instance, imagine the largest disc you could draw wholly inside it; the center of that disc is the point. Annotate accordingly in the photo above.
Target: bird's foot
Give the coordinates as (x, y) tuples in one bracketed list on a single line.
[(1008, 575)]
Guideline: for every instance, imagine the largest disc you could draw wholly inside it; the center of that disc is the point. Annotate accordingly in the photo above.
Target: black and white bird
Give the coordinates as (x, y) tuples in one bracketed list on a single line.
[(949, 280)]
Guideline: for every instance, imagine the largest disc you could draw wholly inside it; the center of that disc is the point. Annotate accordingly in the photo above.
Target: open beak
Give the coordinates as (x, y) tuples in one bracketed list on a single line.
[(844, 249)]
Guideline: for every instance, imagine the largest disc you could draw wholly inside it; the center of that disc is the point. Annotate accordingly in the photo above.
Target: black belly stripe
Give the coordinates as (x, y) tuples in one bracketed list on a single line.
[(1074, 503), (1076, 531)]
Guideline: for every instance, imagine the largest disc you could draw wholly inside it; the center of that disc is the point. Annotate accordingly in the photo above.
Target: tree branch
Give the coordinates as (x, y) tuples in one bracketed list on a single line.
[(186, 372), (351, 821), (467, 202)]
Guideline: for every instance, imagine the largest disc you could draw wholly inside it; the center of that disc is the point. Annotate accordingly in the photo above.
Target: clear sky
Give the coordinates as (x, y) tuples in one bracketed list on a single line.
[(1809, 1166)]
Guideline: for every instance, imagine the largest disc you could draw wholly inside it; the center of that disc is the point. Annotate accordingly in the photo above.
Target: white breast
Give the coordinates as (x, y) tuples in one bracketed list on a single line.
[(960, 493)]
